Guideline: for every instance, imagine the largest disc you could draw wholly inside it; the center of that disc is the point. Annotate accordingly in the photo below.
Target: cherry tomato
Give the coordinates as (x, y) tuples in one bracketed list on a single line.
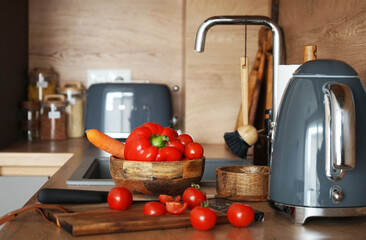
[(168, 154), (193, 196), (170, 133), (185, 138), (203, 218), (154, 209), (193, 150), (176, 207), (119, 198), (163, 198), (178, 145), (240, 215)]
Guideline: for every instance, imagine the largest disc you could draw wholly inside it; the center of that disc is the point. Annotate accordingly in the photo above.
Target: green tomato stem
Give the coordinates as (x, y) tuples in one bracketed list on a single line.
[(197, 186), (159, 141), (204, 204)]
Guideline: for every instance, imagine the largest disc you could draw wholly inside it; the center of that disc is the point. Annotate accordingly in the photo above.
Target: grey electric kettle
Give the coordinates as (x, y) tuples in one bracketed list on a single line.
[(318, 165)]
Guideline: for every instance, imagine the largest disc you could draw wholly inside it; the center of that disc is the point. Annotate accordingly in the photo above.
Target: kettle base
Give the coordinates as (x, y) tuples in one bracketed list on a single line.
[(299, 214)]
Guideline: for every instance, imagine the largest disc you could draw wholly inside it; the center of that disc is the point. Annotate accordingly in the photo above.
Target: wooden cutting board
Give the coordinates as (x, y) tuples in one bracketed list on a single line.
[(99, 218)]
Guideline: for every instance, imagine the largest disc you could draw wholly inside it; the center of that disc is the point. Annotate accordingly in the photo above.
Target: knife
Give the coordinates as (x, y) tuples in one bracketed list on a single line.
[(222, 205), (70, 196)]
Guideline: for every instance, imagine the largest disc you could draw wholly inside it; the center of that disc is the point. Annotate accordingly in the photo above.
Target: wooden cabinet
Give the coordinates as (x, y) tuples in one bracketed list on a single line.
[(13, 66)]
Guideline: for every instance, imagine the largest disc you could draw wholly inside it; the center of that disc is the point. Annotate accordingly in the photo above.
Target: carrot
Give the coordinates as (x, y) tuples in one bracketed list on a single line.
[(106, 143)]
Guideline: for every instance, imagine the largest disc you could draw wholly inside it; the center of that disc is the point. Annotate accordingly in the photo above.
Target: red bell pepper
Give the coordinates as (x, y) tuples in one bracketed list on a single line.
[(151, 142)]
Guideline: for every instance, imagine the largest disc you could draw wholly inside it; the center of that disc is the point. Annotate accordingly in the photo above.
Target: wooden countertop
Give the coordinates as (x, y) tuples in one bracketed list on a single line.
[(31, 164), (275, 226)]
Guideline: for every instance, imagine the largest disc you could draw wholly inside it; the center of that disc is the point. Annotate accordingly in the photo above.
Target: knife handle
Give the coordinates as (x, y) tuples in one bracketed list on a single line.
[(70, 196)]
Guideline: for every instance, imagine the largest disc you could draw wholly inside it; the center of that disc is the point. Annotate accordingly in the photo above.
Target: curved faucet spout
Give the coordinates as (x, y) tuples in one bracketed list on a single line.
[(228, 20), (246, 20)]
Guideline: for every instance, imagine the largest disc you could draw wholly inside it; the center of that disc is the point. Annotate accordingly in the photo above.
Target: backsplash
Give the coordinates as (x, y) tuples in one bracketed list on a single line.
[(154, 39)]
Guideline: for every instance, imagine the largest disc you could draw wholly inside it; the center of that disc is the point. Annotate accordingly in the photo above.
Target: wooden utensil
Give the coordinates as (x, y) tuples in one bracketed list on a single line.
[(246, 135), (251, 84), (257, 89), (247, 132), (244, 63)]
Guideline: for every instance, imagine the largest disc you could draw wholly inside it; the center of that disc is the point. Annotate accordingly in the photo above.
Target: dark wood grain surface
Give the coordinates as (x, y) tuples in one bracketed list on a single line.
[(100, 219), (337, 27)]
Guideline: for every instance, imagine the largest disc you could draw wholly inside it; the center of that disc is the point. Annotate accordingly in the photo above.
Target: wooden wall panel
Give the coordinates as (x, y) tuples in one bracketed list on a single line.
[(212, 78), (337, 27), (141, 35), (155, 40)]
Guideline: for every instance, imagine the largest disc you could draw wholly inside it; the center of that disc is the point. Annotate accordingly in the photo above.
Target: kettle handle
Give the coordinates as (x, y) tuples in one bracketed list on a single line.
[(339, 130)]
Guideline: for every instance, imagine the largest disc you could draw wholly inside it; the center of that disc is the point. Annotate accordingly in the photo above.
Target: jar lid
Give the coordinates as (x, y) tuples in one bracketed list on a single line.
[(72, 87), (30, 105), (57, 99)]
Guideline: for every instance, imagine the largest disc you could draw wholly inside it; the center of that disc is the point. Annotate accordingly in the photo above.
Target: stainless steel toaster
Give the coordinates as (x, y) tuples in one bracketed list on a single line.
[(117, 108)]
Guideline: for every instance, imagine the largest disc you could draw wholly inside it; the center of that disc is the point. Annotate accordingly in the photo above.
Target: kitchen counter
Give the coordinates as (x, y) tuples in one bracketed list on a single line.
[(275, 226)]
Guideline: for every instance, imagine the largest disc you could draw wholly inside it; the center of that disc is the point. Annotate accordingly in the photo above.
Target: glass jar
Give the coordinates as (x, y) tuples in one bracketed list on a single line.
[(41, 83), (75, 96), (53, 117), (30, 120)]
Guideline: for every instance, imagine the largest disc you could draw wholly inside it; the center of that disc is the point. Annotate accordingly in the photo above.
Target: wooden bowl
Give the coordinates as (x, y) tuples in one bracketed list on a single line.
[(171, 177), (242, 183)]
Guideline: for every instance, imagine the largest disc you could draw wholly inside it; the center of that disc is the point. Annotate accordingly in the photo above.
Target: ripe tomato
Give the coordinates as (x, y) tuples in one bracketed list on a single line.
[(193, 196), (178, 145), (168, 154), (203, 218), (240, 215), (119, 198), (154, 209), (184, 138), (193, 150), (163, 198), (170, 133), (176, 207)]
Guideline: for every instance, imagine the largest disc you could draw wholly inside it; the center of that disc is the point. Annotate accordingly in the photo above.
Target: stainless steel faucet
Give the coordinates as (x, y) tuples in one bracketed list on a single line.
[(247, 20)]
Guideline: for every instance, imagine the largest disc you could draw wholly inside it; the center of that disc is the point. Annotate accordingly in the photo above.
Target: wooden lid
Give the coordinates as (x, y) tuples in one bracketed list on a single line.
[(74, 87), (56, 99)]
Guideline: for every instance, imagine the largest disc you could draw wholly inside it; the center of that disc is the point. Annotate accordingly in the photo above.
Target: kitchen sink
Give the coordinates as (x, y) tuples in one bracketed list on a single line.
[(95, 171)]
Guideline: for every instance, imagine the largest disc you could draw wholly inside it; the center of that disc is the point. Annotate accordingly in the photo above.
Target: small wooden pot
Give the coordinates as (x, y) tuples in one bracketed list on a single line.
[(171, 177), (242, 183)]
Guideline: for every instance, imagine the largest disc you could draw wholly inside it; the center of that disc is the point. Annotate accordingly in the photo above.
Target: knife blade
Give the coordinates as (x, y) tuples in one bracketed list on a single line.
[(221, 204), (70, 196)]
